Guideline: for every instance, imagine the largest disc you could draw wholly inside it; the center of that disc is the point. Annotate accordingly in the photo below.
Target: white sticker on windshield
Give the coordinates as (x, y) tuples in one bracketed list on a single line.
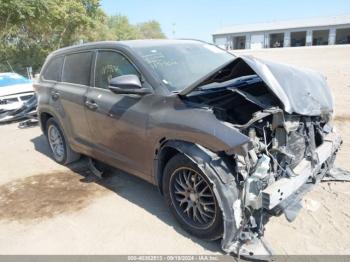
[(214, 49)]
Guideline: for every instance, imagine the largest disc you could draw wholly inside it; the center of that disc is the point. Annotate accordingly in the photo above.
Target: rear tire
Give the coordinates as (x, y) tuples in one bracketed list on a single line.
[(191, 199), (61, 151)]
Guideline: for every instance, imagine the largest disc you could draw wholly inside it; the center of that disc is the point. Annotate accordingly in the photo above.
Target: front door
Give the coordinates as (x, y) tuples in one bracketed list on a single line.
[(117, 121)]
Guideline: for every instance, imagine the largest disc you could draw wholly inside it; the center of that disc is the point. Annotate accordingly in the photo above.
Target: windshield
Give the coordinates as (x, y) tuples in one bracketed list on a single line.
[(8, 79), (179, 65)]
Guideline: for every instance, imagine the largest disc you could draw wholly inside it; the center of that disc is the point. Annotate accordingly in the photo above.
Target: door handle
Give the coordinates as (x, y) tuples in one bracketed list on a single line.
[(55, 94), (91, 105)]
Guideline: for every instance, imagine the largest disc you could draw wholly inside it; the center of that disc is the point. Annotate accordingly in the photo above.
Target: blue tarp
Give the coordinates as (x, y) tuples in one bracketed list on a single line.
[(8, 79)]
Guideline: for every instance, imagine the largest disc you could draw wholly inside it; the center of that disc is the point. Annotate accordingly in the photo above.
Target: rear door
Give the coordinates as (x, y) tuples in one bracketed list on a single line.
[(71, 92), (117, 121), (51, 75)]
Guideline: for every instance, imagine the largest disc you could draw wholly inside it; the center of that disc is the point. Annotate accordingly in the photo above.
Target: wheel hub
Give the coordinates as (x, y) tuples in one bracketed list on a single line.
[(193, 197)]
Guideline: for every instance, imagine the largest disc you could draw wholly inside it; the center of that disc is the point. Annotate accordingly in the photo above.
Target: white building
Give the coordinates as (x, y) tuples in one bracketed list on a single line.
[(302, 32)]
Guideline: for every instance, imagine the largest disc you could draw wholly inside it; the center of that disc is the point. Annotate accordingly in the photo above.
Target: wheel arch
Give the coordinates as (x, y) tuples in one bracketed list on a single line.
[(196, 153), (220, 173), (43, 118), (166, 151), (45, 114)]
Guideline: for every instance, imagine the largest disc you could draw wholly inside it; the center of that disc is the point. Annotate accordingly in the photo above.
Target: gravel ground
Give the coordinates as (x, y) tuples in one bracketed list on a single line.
[(46, 208)]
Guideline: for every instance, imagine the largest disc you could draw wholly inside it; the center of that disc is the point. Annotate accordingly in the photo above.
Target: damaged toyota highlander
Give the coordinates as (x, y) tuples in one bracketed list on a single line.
[(230, 141)]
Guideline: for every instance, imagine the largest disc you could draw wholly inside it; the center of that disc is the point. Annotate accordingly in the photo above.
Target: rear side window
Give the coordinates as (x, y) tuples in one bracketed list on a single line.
[(77, 68), (111, 64), (53, 69)]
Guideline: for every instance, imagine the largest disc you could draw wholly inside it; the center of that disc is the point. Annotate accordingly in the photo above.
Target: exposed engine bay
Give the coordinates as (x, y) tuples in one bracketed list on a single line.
[(287, 153)]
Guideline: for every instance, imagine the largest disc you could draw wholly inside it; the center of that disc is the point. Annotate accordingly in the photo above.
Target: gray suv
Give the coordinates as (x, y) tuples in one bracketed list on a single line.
[(229, 141)]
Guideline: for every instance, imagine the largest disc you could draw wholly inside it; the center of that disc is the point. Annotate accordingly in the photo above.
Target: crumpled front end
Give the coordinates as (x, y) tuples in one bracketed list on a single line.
[(291, 153), (286, 113)]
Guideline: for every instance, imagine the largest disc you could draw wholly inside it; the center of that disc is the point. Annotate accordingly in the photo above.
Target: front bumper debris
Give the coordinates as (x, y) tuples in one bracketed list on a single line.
[(337, 174), (285, 194), (282, 189)]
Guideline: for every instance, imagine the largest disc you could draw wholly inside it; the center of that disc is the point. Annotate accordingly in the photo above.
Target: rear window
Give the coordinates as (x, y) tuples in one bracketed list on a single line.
[(77, 68), (53, 69)]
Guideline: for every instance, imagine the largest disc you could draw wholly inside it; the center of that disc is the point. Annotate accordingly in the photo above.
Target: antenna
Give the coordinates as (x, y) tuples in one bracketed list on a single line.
[(174, 24)]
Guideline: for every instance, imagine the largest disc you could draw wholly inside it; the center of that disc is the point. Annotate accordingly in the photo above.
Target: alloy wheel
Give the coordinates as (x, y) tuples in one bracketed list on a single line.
[(193, 198), (56, 143)]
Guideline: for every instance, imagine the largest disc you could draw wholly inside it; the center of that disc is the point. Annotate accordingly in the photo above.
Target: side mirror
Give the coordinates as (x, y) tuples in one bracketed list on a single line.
[(127, 84)]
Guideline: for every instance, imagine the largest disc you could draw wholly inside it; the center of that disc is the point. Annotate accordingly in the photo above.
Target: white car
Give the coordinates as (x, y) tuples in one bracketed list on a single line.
[(14, 91)]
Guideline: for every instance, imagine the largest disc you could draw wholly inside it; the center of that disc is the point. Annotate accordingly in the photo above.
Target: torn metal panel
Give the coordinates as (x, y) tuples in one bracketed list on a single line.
[(283, 188), (337, 174), (27, 110), (276, 193), (289, 154), (301, 91), (236, 238), (94, 168), (14, 91), (28, 123), (223, 182)]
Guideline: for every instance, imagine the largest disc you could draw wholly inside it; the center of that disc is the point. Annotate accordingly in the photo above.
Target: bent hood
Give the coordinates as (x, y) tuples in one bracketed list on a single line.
[(301, 91)]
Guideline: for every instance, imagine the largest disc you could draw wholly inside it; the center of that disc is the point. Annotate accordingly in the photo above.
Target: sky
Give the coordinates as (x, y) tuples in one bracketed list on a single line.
[(198, 19)]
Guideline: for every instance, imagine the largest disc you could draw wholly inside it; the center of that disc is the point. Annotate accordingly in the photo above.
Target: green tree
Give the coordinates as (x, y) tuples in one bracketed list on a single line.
[(121, 28), (149, 30), (31, 29)]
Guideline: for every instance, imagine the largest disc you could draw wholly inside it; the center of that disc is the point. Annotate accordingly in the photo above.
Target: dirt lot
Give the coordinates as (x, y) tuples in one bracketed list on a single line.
[(46, 208)]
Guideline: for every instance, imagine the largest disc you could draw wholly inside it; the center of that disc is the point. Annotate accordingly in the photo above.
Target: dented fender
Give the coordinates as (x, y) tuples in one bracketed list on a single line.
[(203, 128), (223, 181)]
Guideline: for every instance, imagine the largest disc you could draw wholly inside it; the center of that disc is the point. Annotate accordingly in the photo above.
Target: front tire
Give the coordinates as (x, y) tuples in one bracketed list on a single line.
[(61, 151), (191, 198)]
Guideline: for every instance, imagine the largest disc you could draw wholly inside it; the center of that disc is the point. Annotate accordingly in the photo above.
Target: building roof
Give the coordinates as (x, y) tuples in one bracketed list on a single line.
[(286, 24)]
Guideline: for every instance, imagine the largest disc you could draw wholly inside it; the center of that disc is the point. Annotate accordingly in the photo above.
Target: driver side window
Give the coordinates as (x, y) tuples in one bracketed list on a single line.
[(111, 64)]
